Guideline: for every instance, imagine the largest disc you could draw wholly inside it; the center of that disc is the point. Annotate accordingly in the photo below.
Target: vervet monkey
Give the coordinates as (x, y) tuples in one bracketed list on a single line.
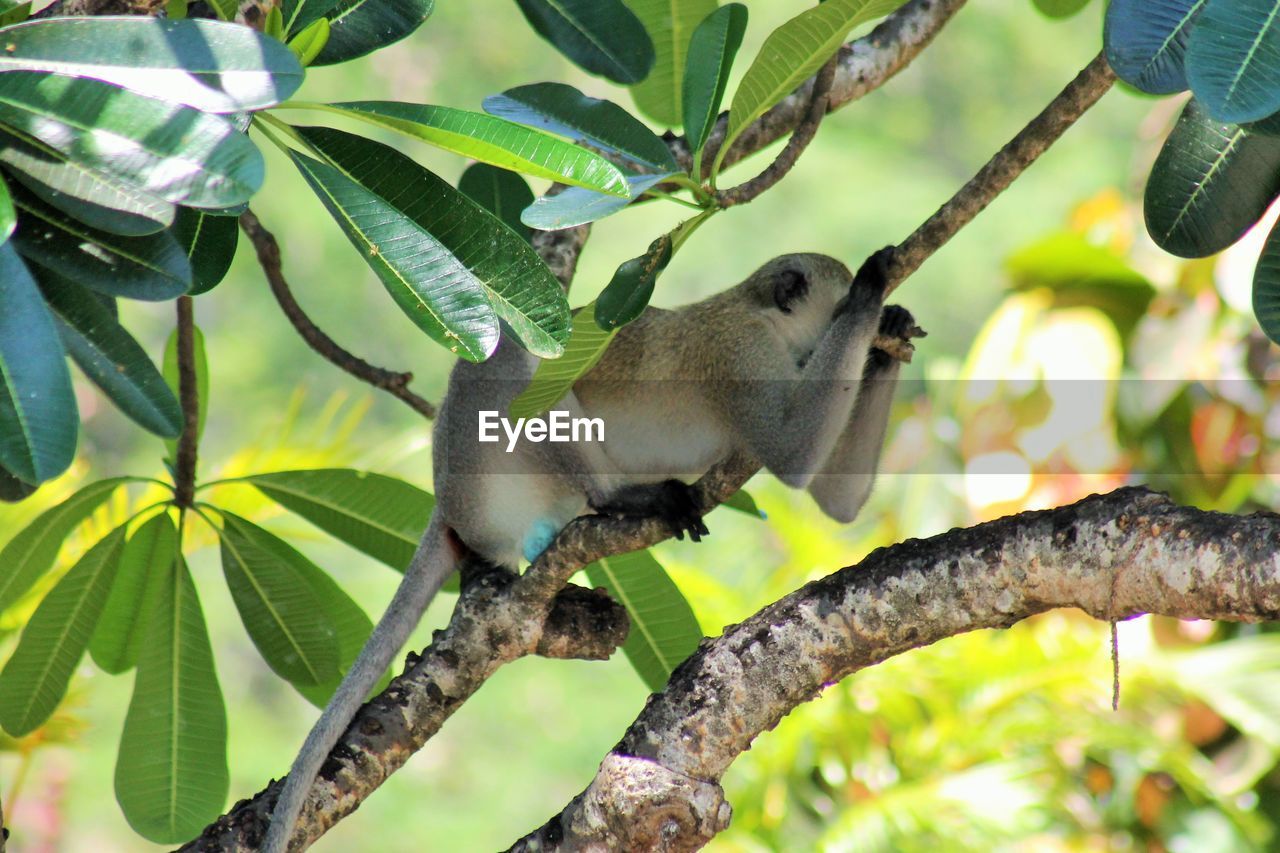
[(781, 367)]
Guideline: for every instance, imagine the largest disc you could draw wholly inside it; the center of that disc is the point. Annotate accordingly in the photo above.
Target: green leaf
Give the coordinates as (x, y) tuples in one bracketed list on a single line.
[(1146, 42), (358, 27), (742, 501), (1060, 8), (9, 216), (300, 14), (267, 579), (502, 193), (380, 516), (1233, 59), (670, 23), (352, 628), (110, 357), (30, 554), (794, 52), (664, 630), (146, 565), (38, 418), (168, 150), (209, 65), (576, 206), (171, 774), (151, 267), (562, 109), (712, 50), (273, 26), (308, 43), (452, 265), (600, 36), (628, 292), (82, 193), (226, 10), (491, 140), (12, 12), (12, 489), (169, 370), (1266, 291), (553, 379), (209, 241), (1210, 184), (35, 679)]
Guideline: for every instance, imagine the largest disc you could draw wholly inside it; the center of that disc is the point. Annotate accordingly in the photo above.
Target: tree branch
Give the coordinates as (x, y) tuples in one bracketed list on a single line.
[(184, 457), (268, 251), (1114, 556)]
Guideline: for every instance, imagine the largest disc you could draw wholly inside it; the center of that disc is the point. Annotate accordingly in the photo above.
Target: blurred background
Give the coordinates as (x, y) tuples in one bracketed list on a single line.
[(1066, 356)]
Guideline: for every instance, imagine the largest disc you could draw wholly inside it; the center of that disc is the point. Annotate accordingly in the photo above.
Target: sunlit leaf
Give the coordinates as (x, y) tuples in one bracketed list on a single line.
[(8, 214), (1060, 8), (308, 43), (600, 36), (553, 378), (146, 566)]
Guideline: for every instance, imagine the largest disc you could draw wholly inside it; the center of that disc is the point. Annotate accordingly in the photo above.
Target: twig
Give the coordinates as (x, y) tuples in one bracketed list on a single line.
[(268, 250), (1001, 170), (796, 145), (184, 463)]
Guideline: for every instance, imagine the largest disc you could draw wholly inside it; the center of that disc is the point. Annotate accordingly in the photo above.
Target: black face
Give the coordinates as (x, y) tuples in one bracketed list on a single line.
[(790, 288)]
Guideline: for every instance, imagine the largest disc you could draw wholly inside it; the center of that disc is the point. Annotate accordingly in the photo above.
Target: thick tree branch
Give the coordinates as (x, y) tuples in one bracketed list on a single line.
[(1114, 556), (268, 251)]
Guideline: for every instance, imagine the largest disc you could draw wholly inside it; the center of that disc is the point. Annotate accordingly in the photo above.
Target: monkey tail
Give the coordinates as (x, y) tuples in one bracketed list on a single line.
[(432, 563)]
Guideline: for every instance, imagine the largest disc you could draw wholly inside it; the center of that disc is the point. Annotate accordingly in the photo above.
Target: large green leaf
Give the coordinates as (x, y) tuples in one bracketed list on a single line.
[(381, 516), (576, 206), (491, 140), (499, 191), (110, 357), (35, 679), (169, 370), (664, 630), (627, 294), (267, 579), (212, 66), (38, 418), (1146, 42), (297, 15), (151, 267), (31, 553), (1233, 59), (171, 773), (1210, 184), (146, 565), (82, 193), (794, 52), (670, 23), (352, 628), (357, 27), (553, 379), (1266, 289), (562, 109), (168, 150), (600, 36), (210, 243), (712, 49), (453, 266)]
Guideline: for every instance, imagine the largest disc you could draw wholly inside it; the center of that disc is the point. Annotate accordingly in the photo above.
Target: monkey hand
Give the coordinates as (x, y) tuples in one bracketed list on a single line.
[(672, 501), (873, 275), (893, 339)]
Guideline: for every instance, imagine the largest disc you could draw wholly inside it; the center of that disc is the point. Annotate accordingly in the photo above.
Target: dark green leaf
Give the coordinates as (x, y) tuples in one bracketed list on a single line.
[(576, 206), (628, 292), (1210, 184), (351, 627), (451, 264), (168, 150), (664, 630), (110, 357), (38, 418), (670, 23), (381, 516), (600, 36), (1060, 8), (12, 12), (12, 489), (169, 370), (35, 679), (357, 27), (171, 774), (502, 193), (712, 49), (1146, 42), (1266, 288), (1233, 59), (267, 579), (1270, 126), (300, 14), (492, 140), (9, 215), (564, 110), (212, 66), (150, 267), (146, 566), (742, 501), (210, 243), (226, 10), (554, 377), (82, 193), (31, 553)]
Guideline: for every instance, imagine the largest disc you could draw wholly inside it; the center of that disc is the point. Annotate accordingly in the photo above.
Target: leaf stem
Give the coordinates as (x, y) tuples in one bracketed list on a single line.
[(671, 198)]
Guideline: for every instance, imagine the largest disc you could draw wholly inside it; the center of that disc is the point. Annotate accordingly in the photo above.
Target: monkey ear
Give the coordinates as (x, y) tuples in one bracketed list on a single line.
[(790, 287)]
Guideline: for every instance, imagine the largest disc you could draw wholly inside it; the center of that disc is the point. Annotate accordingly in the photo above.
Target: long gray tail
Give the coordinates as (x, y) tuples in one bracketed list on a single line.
[(432, 563)]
